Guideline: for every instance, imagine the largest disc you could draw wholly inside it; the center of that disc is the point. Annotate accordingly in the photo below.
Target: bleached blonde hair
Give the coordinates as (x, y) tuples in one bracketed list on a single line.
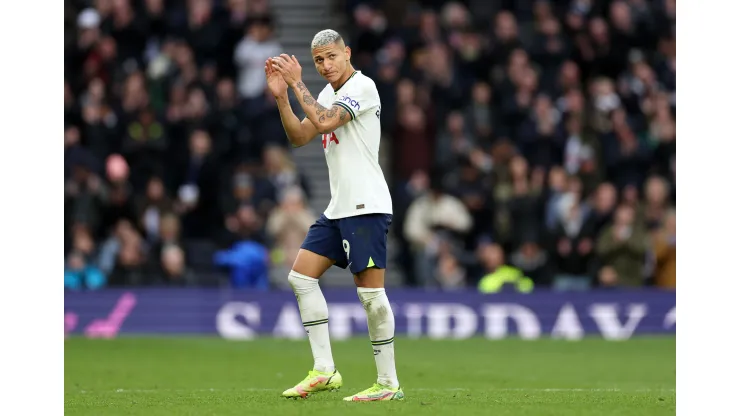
[(326, 37)]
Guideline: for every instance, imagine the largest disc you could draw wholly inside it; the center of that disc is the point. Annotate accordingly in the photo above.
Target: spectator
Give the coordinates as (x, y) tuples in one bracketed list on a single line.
[(288, 225), (282, 172), (603, 203), (119, 193), (248, 263), (196, 181), (152, 207), (557, 183), (111, 246), (245, 189), (664, 246), (79, 274), (454, 142), (534, 263), (449, 274), (525, 207), (131, 261), (226, 118), (83, 243), (175, 271), (372, 30), (250, 55), (413, 139), (622, 248), (432, 219), (490, 257), (539, 139), (656, 205), (169, 236), (574, 241), (481, 113), (471, 186), (500, 276), (204, 31)]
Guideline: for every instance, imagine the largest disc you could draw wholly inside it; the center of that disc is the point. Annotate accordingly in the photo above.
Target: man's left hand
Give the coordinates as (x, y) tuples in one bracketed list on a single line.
[(288, 67)]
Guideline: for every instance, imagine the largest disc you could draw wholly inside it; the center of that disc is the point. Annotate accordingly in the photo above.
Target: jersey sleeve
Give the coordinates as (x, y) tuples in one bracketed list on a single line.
[(359, 98)]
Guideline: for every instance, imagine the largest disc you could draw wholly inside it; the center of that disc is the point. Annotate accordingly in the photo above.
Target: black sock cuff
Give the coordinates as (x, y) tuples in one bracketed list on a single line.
[(382, 342), (316, 322)]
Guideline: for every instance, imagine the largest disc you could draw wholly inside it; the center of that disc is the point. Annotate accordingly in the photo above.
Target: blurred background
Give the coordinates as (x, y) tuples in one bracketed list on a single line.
[(528, 144)]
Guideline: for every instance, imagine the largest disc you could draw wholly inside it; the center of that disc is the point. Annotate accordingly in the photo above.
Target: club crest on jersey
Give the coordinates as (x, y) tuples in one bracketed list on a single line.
[(328, 138), (349, 101)]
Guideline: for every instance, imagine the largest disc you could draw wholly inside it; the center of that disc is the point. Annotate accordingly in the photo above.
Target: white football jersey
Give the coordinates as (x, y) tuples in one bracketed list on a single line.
[(358, 186)]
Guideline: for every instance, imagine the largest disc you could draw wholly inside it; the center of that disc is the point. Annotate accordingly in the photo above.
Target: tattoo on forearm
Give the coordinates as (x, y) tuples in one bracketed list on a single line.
[(320, 110), (331, 112), (307, 98)]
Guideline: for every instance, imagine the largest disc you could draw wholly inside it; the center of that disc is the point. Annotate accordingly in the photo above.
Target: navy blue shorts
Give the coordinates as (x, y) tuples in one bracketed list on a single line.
[(357, 242)]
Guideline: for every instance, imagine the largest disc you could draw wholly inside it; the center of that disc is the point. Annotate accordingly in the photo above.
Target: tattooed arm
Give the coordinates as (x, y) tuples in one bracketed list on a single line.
[(300, 132), (325, 119)]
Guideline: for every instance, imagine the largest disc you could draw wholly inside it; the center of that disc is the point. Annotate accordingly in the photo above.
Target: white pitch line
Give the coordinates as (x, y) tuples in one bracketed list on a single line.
[(588, 390), (525, 390)]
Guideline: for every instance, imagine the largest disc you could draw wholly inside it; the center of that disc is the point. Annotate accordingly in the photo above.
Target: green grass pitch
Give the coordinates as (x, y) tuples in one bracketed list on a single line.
[(209, 376)]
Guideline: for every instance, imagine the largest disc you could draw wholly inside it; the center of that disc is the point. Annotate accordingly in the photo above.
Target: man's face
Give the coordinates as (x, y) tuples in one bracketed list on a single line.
[(557, 179), (80, 173), (155, 189), (155, 6), (530, 249), (71, 136), (293, 202), (606, 198), (505, 26), (225, 90), (76, 262), (331, 60), (200, 143), (656, 190), (491, 255), (625, 215), (169, 228), (173, 262), (259, 32)]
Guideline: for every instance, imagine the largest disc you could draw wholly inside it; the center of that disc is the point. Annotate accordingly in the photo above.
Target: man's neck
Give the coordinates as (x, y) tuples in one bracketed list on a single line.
[(348, 73)]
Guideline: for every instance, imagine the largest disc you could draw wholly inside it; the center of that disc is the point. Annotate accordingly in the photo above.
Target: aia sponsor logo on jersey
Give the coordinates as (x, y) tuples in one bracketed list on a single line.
[(349, 101), (328, 138)]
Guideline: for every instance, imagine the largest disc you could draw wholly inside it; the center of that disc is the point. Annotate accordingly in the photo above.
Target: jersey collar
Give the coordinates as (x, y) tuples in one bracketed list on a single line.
[(345, 82)]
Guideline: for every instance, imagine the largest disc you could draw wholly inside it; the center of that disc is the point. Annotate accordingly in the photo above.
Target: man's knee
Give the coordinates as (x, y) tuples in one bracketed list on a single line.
[(372, 277), (310, 264), (302, 283)]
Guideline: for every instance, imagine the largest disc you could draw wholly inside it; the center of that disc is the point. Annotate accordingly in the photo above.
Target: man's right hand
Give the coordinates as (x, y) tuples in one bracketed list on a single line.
[(275, 82)]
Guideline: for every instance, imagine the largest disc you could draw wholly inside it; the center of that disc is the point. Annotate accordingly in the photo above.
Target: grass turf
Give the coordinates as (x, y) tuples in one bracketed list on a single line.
[(208, 376)]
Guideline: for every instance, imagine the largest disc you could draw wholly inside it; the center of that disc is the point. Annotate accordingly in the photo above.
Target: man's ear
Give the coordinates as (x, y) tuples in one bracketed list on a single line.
[(348, 51)]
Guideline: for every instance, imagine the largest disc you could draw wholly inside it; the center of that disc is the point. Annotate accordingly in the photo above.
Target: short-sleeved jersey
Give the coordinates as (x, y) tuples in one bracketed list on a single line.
[(358, 186)]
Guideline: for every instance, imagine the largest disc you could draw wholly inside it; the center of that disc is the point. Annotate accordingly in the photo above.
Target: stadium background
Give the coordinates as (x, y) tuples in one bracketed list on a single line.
[(547, 128), (529, 146)]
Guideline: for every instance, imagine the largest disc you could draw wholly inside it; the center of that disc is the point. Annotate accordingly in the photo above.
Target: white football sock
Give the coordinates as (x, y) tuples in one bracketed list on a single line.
[(381, 325), (315, 317)]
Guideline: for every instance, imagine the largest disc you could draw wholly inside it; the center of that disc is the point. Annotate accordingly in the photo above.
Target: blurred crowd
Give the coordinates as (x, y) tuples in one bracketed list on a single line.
[(532, 142), (177, 170)]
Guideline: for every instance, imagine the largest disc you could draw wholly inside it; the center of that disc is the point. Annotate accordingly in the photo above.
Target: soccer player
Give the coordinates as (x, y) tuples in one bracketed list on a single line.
[(352, 231)]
